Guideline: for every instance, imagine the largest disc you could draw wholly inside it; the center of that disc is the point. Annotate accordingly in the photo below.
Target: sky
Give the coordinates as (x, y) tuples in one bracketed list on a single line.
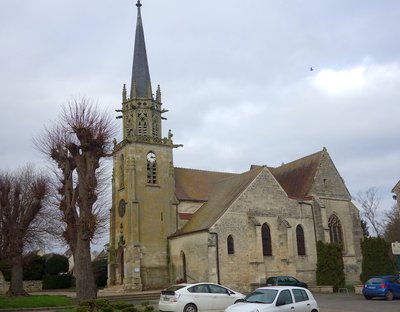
[(234, 75)]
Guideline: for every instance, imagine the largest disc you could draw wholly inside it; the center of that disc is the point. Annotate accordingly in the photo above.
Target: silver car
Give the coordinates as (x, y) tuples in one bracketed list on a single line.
[(277, 298)]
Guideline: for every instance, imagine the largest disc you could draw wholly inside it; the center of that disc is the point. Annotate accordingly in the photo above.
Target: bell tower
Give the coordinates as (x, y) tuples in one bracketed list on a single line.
[(144, 206)]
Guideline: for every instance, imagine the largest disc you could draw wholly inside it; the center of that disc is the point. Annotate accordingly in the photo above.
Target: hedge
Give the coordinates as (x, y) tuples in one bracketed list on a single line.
[(57, 281)]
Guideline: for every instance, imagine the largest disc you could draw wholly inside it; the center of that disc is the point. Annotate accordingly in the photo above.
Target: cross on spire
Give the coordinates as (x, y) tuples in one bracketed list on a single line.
[(138, 4)]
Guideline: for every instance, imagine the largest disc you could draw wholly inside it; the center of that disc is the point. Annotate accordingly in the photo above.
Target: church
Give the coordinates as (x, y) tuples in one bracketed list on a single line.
[(170, 224)]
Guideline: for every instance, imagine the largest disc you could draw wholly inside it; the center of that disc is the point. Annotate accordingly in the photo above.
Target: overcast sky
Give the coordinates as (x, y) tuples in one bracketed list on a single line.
[(234, 75)]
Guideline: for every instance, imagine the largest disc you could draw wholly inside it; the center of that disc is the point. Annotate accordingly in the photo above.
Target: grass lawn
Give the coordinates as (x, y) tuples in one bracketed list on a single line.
[(34, 301)]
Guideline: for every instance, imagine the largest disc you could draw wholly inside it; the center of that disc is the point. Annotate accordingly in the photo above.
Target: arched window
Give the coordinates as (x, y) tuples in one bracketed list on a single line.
[(266, 240), (151, 168), (301, 247), (335, 229), (230, 245)]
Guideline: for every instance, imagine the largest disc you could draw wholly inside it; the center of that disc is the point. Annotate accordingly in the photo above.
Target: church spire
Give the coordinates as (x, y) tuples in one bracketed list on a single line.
[(141, 84)]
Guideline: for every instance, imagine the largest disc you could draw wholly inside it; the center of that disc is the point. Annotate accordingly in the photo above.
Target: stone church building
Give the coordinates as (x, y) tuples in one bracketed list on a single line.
[(171, 224)]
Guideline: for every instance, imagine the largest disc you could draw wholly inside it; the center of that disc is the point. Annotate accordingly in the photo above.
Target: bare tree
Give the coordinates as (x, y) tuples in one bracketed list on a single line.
[(22, 197), (392, 224), (370, 209), (77, 144)]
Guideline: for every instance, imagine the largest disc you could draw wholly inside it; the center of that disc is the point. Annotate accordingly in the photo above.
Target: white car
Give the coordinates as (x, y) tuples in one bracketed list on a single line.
[(199, 297), (277, 299)]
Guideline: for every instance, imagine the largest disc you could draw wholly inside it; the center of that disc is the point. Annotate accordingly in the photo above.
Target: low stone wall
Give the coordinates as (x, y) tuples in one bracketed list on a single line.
[(29, 286), (358, 289), (321, 289)]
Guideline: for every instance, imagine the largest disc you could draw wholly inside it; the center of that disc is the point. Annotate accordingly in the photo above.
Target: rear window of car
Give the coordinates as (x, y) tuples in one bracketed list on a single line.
[(300, 295), (175, 287), (376, 280)]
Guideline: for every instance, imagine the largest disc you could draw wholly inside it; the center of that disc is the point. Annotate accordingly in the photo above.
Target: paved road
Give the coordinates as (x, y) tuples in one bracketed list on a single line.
[(354, 303)]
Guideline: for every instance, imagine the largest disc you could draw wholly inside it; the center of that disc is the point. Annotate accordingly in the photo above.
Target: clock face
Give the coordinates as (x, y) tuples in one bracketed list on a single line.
[(151, 157), (121, 208)]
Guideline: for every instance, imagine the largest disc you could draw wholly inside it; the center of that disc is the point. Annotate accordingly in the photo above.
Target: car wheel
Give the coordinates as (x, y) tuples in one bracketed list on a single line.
[(368, 297), (190, 307), (389, 295)]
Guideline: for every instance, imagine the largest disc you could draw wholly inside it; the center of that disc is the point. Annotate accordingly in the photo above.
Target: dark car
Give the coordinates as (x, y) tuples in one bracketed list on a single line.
[(387, 287), (285, 281)]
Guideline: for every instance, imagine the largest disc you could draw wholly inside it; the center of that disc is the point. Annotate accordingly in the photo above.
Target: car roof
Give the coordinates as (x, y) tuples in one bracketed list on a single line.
[(384, 276), (281, 287)]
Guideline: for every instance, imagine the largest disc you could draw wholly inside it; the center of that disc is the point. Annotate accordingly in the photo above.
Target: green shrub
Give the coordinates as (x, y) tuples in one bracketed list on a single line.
[(33, 267), (330, 266), (376, 258), (100, 272), (120, 305), (56, 264), (57, 281)]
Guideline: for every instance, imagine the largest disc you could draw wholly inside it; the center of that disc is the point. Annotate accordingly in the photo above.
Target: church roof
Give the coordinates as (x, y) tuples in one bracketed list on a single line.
[(297, 177), (140, 69), (218, 190), (223, 195), (196, 185)]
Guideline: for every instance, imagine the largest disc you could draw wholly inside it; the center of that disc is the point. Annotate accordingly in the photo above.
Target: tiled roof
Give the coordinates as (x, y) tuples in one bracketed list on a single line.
[(196, 185), (224, 193), (297, 177)]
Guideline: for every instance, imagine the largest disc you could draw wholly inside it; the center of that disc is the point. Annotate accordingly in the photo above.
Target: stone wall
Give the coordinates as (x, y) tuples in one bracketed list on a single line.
[(29, 286)]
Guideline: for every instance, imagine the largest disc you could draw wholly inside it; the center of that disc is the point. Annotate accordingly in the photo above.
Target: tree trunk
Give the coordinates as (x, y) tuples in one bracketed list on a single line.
[(17, 284), (85, 283)]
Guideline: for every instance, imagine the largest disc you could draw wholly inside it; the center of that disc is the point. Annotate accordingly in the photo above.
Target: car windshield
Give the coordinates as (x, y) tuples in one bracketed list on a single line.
[(262, 296), (376, 280)]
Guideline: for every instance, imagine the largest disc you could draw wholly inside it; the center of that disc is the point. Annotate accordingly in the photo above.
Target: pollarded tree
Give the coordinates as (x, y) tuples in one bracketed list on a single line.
[(77, 144), (22, 197)]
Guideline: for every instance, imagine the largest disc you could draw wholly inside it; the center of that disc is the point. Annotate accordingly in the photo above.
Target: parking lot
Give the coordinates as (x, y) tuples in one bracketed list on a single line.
[(354, 303)]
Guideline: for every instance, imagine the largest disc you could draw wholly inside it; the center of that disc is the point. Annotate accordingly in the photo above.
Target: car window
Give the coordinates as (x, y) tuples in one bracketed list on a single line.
[(199, 289), (376, 280), (215, 289), (271, 280), (285, 297), (175, 287), (291, 279), (262, 296), (300, 295)]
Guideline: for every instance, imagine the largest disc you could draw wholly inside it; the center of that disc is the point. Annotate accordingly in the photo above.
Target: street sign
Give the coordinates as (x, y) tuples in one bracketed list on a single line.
[(396, 248)]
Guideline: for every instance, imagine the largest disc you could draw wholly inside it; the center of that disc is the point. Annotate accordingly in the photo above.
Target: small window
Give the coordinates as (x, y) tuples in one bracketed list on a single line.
[(230, 245), (301, 247), (122, 171), (266, 240), (300, 295)]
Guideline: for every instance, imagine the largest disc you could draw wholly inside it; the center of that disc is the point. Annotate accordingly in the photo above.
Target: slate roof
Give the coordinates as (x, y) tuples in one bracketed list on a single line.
[(140, 68)]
